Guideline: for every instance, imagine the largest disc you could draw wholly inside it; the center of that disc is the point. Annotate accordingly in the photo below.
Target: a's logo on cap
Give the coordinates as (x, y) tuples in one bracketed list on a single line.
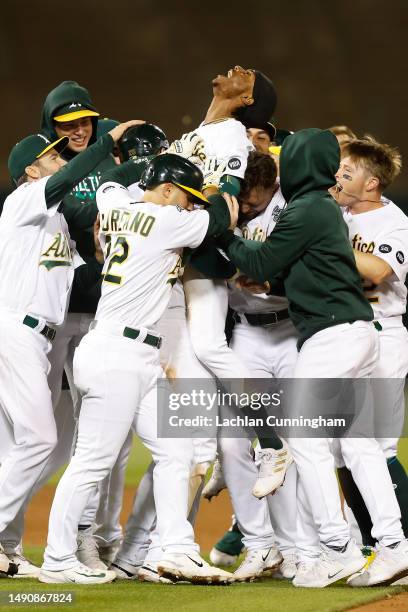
[(234, 163), (74, 105), (44, 138)]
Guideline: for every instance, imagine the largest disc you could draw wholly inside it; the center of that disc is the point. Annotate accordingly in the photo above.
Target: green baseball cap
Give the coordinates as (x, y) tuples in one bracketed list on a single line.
[(29, 149)]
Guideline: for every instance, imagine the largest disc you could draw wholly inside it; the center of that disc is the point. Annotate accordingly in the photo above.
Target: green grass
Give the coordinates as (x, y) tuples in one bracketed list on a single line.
[(265, 595)]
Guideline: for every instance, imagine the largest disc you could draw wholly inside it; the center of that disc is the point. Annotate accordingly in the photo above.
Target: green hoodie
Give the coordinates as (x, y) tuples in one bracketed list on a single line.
[(309, 247), (79, 206)]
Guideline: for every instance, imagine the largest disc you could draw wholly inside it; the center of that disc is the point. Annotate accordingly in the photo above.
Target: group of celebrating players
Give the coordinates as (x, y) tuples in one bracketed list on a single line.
[(121, 256)]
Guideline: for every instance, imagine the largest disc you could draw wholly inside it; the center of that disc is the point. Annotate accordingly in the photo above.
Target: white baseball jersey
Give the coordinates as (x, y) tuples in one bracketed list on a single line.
[(384, 233), (143, 244), (259, 229), (228, 141), (37, 257)]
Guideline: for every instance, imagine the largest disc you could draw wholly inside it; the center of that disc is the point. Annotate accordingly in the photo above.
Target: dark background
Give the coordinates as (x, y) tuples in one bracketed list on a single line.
[(332, 61)]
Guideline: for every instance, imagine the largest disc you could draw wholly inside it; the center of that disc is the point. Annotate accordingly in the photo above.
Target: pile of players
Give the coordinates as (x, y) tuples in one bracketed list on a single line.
[(120, 257)]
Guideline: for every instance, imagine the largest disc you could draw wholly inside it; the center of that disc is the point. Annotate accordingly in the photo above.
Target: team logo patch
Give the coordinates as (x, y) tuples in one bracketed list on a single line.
[(400, 257), (385, 248), (276, 213), (180, 208), (234, 163)]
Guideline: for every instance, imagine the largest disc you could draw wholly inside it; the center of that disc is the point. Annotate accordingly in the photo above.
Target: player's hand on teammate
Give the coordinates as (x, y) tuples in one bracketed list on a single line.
[(233, 208), (191, 146), (244, 282), (212, 172), (98, 249), (120, 129)]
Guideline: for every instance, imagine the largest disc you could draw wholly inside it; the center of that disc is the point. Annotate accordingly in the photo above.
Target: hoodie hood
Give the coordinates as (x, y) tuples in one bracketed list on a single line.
[(308, 162), (66, 93)]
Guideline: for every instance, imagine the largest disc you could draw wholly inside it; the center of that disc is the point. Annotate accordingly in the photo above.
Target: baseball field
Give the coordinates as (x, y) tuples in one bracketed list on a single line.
[(213, 519)]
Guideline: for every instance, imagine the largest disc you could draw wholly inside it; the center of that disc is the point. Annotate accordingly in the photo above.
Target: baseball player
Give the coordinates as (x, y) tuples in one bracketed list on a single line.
[(378, 232), (309, 248), (264, 338), (242, 98), (143, 242), (35, 241)]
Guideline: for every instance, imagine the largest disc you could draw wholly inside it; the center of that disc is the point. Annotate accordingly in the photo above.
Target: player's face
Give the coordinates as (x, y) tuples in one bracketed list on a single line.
[(239, 81), (50, 163), (79, 132), (351, 183), (254, 203), (260, 139), (179, 197)]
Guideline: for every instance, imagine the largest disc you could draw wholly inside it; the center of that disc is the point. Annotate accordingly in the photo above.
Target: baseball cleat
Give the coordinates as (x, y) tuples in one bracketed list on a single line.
[(124, 571), (272, 470), (148, 573), (227, 550), (216, 483), (390, 566), (191, 567), (26, 569), (87, 552), (331, 566), (257, 562), (7, 567), (79, 574), (288, 568)]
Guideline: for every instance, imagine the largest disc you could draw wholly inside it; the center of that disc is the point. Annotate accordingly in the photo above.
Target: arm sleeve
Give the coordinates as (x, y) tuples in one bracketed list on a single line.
[(128, 173), (78, 168), (393, 249), (283, 247), (230, 184), (219, 215), (208, 260)]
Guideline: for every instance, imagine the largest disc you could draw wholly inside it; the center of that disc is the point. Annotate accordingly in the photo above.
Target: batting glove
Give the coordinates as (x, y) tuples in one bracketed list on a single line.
[(190, 146), (213, 170)]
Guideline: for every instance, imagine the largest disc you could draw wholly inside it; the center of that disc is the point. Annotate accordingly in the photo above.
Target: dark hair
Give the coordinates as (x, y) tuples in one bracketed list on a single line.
[(261, 171)]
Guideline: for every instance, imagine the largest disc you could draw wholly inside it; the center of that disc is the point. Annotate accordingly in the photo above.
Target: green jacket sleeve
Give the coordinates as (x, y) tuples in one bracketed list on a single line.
[(219, 215), (61, 183), (285, 245), (127, 173), (210, 262)]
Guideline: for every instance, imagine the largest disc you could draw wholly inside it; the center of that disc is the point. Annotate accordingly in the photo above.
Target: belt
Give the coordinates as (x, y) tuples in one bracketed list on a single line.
[(46, 331), (264, 319), (133, 334)]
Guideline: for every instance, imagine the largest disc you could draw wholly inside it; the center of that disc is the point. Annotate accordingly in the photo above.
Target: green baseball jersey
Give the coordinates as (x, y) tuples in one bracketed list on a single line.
[(309, 248)]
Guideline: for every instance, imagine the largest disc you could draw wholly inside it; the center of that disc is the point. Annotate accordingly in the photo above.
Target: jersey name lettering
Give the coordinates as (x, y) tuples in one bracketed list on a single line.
[(127, 222), (363, 247)]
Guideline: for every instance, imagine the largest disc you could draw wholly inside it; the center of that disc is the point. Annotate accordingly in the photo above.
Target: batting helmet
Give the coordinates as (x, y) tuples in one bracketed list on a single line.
[(170, 168), (142, 141)]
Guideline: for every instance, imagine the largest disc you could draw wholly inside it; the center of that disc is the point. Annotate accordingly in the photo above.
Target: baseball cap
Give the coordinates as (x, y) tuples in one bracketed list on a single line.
[(73, 111), (265, 99), (29, 149)]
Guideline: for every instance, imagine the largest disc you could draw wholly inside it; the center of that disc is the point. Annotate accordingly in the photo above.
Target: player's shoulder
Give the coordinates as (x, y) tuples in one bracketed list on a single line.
[(395, 213), (24, 193)]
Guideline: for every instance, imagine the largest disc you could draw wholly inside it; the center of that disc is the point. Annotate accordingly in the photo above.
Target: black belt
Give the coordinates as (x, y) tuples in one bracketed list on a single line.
[(264, 319), (46, 331), (151, 340)]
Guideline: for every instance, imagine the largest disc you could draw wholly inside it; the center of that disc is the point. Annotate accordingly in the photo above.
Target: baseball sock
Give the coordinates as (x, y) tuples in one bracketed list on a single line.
[(266, 435), (400, 481), (353, 498)]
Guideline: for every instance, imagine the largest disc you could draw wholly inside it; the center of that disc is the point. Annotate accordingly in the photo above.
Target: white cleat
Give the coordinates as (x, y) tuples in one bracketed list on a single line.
[(288, 568), (257, 562), (220, 558), (79, 574), (125, 571), (149, 573), (7, 567), (272, 470), (331, 566), (191, 567), (87, 552), (26, 569), (390, 566), (107, 554), (216, 483)]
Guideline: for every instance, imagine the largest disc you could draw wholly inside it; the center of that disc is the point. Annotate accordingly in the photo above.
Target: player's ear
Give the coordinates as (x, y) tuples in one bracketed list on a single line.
[(372, 183), (247, 99), (33, 172)]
